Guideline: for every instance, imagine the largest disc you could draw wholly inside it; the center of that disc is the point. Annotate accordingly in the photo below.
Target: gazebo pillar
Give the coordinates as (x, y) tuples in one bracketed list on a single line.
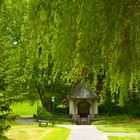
[(71, 107), (95, 106)]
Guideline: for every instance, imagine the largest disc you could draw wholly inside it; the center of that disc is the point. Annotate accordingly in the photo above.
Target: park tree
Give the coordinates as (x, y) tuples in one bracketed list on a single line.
[(107, 35), (7, 35), (57, 44), (95, 38), (99, 39), (29, 66)]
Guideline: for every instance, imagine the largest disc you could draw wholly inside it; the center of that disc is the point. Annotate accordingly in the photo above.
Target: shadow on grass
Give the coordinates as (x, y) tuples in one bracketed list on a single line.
[(110, 120), (5, 138)]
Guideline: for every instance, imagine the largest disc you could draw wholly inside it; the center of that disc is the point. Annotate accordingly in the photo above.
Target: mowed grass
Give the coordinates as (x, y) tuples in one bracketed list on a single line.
[(24, 109), (58, 133), (120, 128), (118, 124), (124, 138), (33, 132)]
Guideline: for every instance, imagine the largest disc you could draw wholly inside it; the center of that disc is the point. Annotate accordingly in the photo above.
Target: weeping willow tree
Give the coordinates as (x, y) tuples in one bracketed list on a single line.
[(94, 42), (67, 42)]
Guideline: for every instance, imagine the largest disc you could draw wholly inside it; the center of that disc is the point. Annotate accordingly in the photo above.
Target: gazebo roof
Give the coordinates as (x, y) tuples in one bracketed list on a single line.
[(80, 92)]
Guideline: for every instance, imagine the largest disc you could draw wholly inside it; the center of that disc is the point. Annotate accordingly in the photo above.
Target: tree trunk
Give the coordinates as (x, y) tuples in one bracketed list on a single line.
[(46, 102)]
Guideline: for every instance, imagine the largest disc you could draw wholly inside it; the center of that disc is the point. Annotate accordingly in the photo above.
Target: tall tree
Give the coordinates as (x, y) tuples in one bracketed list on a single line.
[(66, 42)]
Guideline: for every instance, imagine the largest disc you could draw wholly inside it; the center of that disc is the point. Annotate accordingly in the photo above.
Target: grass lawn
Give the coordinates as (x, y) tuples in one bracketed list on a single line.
[(24, 109), (122, 124), (33, 132), (124, 138), (120, 128), (58, 133)]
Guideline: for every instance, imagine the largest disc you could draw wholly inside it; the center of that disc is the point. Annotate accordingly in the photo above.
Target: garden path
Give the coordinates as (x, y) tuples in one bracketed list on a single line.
[(89, 132), (85, 132), (26, 120)]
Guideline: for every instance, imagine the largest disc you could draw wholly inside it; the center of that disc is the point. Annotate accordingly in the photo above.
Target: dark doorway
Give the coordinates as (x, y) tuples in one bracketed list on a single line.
[(83, 109)]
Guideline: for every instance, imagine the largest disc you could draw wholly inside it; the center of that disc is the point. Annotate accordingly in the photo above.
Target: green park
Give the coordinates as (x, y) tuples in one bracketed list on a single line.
[(69, 70)]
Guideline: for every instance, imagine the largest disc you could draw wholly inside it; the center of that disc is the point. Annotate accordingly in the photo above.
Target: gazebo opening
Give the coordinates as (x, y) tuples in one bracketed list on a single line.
[(83, 109)]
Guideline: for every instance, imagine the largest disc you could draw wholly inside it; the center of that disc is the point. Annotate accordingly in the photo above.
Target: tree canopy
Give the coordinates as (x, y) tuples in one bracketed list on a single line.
[(49, 46)]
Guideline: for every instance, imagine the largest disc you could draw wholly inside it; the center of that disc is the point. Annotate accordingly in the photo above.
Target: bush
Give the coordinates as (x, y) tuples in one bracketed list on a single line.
[(110, 108), (42, 114), (62, 110)]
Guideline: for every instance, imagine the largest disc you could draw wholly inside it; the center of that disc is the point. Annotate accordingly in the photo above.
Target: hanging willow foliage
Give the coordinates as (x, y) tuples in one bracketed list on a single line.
[(88, 41), (92, 35)]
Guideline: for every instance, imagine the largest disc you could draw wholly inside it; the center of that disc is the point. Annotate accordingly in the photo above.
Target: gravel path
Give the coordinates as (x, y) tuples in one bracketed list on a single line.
[(26, 120), (85, 132), (89, 132)]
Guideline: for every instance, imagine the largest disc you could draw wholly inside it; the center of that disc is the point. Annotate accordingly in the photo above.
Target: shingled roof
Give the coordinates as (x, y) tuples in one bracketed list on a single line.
[(80, 92)]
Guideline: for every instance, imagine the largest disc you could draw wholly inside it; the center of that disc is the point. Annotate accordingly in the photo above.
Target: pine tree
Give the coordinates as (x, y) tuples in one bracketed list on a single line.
[(5, 113)]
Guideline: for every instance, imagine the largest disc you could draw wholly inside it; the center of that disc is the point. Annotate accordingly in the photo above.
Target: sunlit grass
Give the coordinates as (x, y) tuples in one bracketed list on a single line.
[(124, 138), (122, 124), (33, 132), (121, 128), (57, 134), (24, 109), (20, 131)]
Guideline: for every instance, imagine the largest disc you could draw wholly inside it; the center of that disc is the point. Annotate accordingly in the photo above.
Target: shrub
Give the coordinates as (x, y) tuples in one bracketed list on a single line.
[(42, 114), (62, 110)]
